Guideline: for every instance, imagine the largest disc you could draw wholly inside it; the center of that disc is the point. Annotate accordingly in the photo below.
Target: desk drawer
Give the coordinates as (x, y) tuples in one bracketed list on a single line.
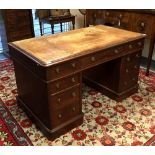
[(102, 56), (63, 69), (60, 116), (65, 98), (58, 85)]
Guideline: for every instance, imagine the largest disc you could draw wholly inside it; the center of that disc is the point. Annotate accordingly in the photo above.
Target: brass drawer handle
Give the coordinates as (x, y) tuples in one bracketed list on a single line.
[(142, 24), (133, 79), (139, 43), (59, 100), (73, 79), (137, 55), (57, 70), (73, 65), (135, 66), (73, 94), (125, 83), (128, 58), (57, 85), (130, 46), (116, 51), (59, 116), (126, 70), (73, 108), (107, 13), (92, 58)]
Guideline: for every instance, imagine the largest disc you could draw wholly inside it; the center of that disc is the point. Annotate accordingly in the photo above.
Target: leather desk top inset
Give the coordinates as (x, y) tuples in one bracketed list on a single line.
[(52, 49)]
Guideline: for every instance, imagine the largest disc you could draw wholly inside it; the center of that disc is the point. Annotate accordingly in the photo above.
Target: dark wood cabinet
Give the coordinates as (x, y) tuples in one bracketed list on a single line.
[(142, 21), (18, 24)]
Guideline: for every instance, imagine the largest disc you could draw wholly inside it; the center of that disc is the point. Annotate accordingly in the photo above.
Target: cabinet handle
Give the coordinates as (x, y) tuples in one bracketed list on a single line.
[(142, 24), (92, 58), (135, 67), (133, 79), (125, 83), (59, 100), (57, 85), (59, 116), (73, 79), (73, 65), (57, 70), (107, 13), (73, 108), (137, 55), (116, 51), (130, 46), (139, 43), (73, 94), (128, 58), (126, 70)]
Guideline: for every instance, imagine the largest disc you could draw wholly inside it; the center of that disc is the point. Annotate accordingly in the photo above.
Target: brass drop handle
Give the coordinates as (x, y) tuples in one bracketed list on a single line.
[(127, 70), (73, 109), (73, 65), (57, 85), (116, 51), (73, 94), (125, 83), (137, 55), (57, 70), (128, 58), (107, 13), (135, 67), (133, 79), (120, 16), (142, 24), (73, 79), (139, 43), (130, 46), (59, 100), (59, 116), (93, 58)]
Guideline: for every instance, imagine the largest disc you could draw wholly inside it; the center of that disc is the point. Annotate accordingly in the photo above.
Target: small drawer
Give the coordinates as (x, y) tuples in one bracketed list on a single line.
[(63, 69), (58, 85), (65, 98), (67, 113)]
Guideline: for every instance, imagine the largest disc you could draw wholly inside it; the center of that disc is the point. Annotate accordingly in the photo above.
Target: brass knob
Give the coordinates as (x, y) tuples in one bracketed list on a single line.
[(107, 13), (127, 70), (57, 85), (59, 100), (73, 79), (73, 108), (135, 67), (92, 58), (125, 83), (133, 79), (73, 65), (139, 43), (128, 58), (130, 46), (59, 116), (137, 55), (57, 70), (73, 94), (120, 16), (116, 51), (142, 24)]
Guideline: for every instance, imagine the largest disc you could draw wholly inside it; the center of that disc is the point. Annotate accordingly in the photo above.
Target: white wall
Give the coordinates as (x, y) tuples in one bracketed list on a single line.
[(79, 18)]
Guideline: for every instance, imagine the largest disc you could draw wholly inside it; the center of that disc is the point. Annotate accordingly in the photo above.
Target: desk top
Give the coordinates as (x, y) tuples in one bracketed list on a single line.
[(52, 49)]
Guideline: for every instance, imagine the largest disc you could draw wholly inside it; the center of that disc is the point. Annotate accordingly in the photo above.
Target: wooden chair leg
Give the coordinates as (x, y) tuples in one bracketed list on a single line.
[(40, 23), (52, 27)]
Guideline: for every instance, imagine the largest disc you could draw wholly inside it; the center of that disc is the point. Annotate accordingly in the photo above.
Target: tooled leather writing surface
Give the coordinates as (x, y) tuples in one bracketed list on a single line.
[(59, 47)]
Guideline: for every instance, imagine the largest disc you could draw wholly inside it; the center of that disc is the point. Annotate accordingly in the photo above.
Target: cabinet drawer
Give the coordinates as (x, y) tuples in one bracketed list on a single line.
[(143, 24), (63, 69), (65, 98), (60, 116), (58, 85)]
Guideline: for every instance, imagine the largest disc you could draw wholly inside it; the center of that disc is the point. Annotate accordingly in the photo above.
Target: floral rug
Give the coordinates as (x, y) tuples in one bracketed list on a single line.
[(106, 122)]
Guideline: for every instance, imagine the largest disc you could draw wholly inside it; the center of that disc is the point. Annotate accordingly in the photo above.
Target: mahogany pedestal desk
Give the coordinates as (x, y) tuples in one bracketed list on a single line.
[(49, 71)]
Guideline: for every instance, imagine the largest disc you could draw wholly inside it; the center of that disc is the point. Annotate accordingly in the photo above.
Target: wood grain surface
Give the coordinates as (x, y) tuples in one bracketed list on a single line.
[(52, 49)]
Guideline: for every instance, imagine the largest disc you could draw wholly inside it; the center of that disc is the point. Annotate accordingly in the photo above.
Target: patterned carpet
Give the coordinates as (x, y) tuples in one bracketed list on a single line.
[(106, 122)]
